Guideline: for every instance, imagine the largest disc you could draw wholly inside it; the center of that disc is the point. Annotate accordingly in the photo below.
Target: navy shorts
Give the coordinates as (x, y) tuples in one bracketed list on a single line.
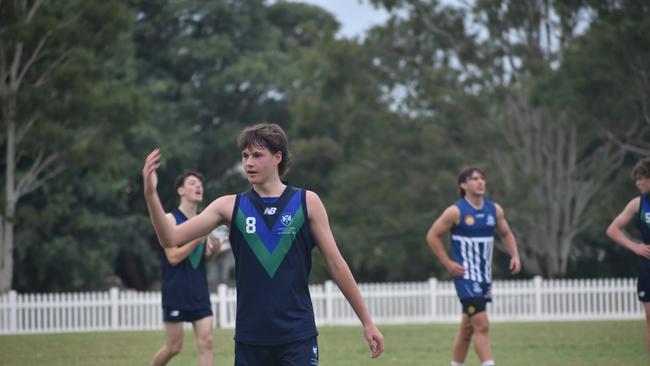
[(174, 316), (473, 305), (299, 353), (468, 288), (643, 284)]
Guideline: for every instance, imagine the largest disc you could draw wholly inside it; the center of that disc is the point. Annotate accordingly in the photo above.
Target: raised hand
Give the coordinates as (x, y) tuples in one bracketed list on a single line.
[(149, 176)]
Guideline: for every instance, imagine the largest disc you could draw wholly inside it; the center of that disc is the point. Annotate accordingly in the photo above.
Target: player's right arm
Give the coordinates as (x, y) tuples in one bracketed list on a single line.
[(170, 235), (615, 230), (441, 227), (175, 255)]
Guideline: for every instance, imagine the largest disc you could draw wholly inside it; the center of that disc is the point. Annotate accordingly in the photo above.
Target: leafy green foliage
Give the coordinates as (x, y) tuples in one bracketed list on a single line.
[(379, 128)]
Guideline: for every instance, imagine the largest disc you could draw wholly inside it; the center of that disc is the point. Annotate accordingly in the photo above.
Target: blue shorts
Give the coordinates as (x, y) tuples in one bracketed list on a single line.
[(174, 316), (467, 288), (299, 353)]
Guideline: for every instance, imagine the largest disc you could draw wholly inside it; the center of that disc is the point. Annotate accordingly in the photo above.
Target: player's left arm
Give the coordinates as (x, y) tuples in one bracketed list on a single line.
[(340, 271), (508, 240)]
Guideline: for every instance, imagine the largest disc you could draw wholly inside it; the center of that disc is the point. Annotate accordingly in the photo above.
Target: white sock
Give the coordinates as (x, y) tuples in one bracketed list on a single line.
[(488, 363), (454, 363)]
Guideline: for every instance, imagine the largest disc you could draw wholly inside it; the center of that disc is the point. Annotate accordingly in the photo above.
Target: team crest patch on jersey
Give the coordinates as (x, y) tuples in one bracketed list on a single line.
[(490, 220), (469, 220), (286, 219)]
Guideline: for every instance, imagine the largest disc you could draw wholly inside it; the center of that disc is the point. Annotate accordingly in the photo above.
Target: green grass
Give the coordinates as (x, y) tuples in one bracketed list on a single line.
[(555, 343)]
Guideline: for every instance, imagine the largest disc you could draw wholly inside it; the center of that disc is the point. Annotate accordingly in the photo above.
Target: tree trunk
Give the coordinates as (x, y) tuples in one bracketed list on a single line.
[(559, 177), (7, 267), (7, 220)]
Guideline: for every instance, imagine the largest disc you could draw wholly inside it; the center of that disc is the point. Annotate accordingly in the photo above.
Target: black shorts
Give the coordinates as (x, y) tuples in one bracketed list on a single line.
[(643, 284), (473, 305), (299, 353), (175, 316)]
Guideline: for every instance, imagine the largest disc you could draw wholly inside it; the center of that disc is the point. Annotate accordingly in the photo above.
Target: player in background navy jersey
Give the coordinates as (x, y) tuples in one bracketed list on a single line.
[(472, 221), (273, 229), (638, 210), (184, 287)]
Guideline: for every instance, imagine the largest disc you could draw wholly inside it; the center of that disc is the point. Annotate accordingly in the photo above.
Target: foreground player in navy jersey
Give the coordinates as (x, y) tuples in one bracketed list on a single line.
[(274, 227), (184, 287), (472, 221), (638, 210)]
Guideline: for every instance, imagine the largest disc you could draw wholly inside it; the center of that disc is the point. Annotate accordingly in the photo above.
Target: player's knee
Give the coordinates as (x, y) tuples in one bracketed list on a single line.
[(467, 330), (481, 327), (174, 347), (467, 337), (205, 342)]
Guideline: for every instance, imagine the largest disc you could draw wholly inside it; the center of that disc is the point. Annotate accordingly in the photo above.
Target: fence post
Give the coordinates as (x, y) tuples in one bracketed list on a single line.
[(222, 303), (329, 302), (13, 311), (537, 281), (114, 294), (433, 287)]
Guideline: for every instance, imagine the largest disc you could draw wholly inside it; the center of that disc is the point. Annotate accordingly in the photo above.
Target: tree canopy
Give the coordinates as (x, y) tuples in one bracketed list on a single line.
[(549, 97)]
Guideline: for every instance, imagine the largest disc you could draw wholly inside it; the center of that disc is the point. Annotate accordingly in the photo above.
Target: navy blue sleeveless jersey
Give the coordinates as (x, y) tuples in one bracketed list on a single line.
[(272, 243), (184, 286), (473, 240), (642, 223)]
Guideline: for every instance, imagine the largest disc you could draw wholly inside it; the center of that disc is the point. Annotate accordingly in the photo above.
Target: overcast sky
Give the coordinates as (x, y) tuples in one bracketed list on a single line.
[(355, 16)]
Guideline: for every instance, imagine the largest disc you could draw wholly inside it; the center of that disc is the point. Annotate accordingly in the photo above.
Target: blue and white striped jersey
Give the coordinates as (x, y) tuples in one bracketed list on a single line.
[(473, 240)]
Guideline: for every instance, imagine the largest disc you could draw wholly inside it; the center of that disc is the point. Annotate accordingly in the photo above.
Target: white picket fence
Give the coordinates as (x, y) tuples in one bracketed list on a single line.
[(389, 303)]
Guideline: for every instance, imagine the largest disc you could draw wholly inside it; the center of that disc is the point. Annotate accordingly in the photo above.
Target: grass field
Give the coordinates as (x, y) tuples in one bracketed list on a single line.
[(610, 343)]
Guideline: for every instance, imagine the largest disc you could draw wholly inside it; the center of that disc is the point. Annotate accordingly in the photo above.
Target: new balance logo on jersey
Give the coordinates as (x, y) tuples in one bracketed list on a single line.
[(270, 211), (647, 218)]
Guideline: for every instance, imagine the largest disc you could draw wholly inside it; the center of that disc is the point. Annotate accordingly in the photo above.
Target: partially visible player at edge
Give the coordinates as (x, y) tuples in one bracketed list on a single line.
[(274, 227), (472, 221), (184, 286), (638, 210)]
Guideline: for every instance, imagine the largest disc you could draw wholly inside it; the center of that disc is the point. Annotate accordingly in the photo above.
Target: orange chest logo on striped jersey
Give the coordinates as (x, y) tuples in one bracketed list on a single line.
[(469, 220)]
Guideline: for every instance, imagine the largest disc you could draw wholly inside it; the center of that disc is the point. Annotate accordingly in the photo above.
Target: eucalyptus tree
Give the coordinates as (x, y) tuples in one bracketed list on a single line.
[(56, 109), (490, 68)]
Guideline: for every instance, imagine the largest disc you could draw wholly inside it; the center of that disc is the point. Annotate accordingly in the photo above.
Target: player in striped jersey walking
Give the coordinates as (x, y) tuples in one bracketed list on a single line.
[(472, 221)]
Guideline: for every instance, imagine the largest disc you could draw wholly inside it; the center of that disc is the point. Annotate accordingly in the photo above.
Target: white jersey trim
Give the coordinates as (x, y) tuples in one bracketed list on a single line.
[(473, 250)]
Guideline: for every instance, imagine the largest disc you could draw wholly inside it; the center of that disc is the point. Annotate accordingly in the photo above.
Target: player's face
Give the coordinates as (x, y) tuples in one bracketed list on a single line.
[(643, 184), (192, 189), (474, 185), (260, 164)]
